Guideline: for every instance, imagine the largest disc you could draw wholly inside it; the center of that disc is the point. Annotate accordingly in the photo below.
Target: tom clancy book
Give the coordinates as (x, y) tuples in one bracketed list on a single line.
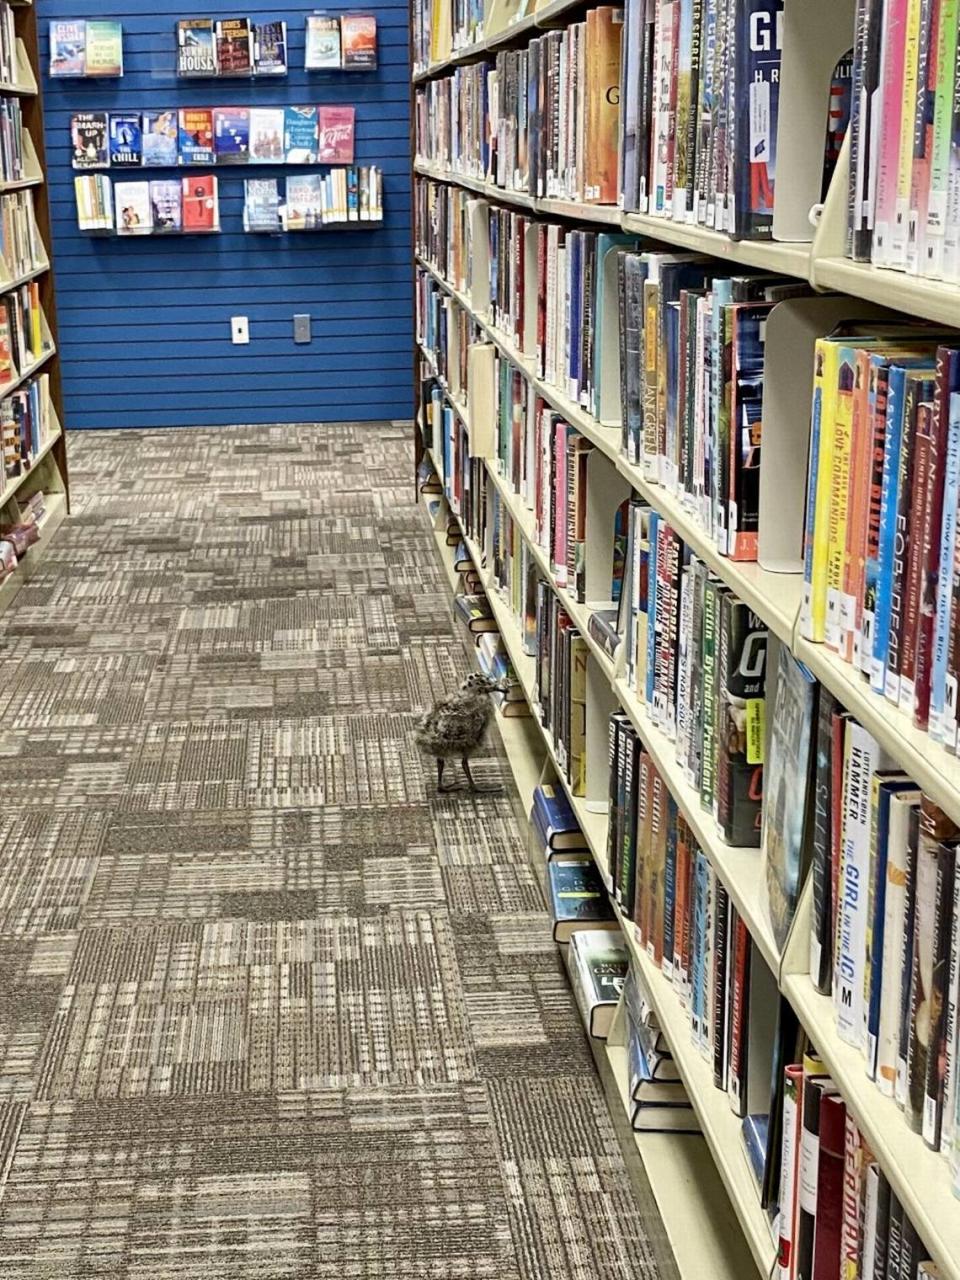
[(266, 135), (261, 204), (300, 135), (68, 46), (270, 48), (104, 48), (196, 136), (742, 664), (126, 141), (322, 50), (196, 48), (234, 46), (166, 202), (231, 132), (758, 45), (88, 132), (358, 36), (335, 131), (160, 138)]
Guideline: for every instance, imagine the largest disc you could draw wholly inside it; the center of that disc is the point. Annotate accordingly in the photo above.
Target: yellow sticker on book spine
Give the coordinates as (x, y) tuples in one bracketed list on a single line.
[(756, 729)]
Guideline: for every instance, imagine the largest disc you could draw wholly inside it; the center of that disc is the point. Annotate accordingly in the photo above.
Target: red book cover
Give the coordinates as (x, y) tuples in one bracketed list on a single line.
[(200, 211), (919, 501), (336, 127), (358, 32), (829, 1219), (541, 296), (740, 968)]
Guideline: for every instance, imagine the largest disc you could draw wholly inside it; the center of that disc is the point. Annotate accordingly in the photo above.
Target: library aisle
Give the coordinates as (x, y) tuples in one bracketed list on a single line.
[(268, 1005)]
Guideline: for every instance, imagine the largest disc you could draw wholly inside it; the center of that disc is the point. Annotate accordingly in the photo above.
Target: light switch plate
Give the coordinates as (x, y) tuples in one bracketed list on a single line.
[(301, 329), (239, 330)]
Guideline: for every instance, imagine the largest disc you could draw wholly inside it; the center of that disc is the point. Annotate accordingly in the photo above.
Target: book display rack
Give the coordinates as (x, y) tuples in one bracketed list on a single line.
[(598, 542)]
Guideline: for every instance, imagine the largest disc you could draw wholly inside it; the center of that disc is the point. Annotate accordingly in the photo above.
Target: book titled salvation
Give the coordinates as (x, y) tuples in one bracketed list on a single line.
[(231, 131), (335, 129)]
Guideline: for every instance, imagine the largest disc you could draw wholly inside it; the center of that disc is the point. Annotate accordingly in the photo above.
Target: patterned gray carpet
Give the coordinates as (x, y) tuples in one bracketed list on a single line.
[(269, 1007)]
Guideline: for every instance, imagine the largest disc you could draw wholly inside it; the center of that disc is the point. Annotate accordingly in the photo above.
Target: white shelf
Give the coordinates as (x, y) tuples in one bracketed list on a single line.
[(915, 295)]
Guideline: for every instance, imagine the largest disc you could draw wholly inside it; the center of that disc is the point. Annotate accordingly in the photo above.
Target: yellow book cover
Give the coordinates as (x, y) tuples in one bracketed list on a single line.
[(818, 491), (898, 237), (840, 423)]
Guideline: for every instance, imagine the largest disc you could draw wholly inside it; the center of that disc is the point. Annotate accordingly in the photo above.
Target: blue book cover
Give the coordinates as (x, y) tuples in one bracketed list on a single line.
[(652, 608), (231, 134), (300, 135), (948, 536), (758, 45), (556, 816), (577, 892), (160, 138), (68, 47), (754, 1129), (126, 141), (697, 983)]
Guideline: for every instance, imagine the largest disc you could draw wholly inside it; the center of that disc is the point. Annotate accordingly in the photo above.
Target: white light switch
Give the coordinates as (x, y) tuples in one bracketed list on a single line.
[(239, 330)]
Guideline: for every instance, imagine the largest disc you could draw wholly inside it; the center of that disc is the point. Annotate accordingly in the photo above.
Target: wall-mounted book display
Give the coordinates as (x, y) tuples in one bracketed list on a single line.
[(212, 135), (341, 42), (231, 48), (86, 47), (159, 206), (351, 197)]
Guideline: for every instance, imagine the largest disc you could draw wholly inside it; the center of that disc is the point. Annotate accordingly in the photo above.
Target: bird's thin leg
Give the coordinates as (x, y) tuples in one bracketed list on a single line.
[(440, 787), (494, 790)]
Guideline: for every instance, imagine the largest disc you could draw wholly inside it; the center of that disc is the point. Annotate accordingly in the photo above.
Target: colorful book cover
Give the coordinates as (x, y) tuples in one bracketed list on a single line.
[(322, 42), (841, 424), (88, 133), (104, 56), (196, 136), (196, 47), (270, 48), (160, 136), (68, 43), (200, 209), (888, 133), (266, 135), (358, 33), (166, 201), (897, 245), (126, 141), (746, 428), (303, 202), (758, 49), (234, 46), (231, 132), (300, 135), (335, 129), (134, 212)]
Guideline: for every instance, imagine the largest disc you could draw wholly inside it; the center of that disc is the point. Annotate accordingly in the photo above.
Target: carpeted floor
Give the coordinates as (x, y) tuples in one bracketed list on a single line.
[(269, 1007)]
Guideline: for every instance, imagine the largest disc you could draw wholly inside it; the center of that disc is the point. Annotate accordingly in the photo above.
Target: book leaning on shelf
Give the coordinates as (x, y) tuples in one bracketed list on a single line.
[(94, 198), (25, 424)]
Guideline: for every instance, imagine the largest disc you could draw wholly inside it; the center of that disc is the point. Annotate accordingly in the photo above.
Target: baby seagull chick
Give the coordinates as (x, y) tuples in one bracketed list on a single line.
[(457, 726)]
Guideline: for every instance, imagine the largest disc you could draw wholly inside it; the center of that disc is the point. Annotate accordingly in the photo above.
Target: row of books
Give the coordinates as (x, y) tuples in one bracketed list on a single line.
[(25, 424), (347, 42), (18, 536), (11, 140), (904, 193), (213, 135), (880, 584), (21, 248), (315, 200), (161, 206), (85, 47), (461, 22), (231, 47), (23, 340)]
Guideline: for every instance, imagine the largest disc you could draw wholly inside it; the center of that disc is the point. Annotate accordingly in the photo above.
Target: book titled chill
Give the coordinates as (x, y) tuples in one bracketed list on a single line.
[(104, 48), (134, 212), (234, 46), (160, 138), (270, 48), (200, 205), (266, 135), (335, 130), (88, 132), (300, 135), (231, 132), (322, 42), (166, 203), (358, 35), (196, 49), (126, 141), (68, 45), (196, 136)]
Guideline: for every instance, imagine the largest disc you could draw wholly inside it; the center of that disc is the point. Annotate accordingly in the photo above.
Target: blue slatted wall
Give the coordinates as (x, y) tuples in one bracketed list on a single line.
[(145, 324)]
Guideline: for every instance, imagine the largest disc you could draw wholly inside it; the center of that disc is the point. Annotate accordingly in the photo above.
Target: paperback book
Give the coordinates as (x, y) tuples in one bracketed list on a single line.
[(335, 126), (196, 47), (104, 48), (160, 136), (231, 131), (200, 203), (266, 135), (234, 42), (322, 52), (196, 136), (126, 141), (68, 43), (270, 48), (88, 132), (300, 135), (261, 205), (134, 211), (166, 202), (358, 35)]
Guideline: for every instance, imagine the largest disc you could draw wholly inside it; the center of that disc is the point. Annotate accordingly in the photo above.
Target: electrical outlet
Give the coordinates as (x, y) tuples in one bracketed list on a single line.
[(239, 330), (301, 329)]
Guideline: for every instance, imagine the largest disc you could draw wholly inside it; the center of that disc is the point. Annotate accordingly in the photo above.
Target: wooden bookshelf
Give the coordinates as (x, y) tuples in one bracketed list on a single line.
[(48, 469), (920, 1178)]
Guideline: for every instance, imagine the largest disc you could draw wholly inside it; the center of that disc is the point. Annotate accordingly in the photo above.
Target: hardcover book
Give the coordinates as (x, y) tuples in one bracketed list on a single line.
[(599, 966), (134, 212), (322, 50), (266, 134), (358, 34), (551, 810), (231, 131), (303, 204), (126, 141), (196, 136), (196, 48), (160, 138), (68, 43), (104, 55), (88, 132), (166, 202), (300, 135), (335, 129), (234, 46), (270, 48), (742, 675), (200, 209), (577, 896)]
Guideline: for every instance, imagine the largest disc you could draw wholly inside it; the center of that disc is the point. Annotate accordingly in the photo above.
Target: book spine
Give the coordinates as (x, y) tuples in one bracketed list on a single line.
[(851, 1227), (901, 543), (828, 1236), (920, 501), (932, 231), (681, 929), (859, 765), (937, 996), (739, 1003), (721, 958), (938, 718), (819, 491), (888, 528), (789, 1169), (949, 1117), (821, 934), (838, 402)]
